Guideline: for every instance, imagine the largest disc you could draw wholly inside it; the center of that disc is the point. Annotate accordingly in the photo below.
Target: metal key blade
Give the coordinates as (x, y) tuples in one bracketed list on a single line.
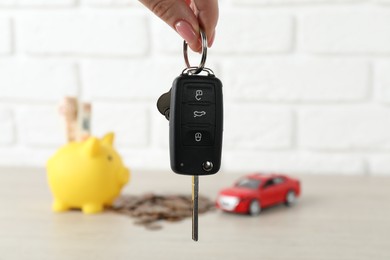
[(195, 200)]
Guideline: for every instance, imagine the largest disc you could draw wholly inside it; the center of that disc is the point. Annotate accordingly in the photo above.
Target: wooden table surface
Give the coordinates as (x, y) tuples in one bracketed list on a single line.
[(337, 217)]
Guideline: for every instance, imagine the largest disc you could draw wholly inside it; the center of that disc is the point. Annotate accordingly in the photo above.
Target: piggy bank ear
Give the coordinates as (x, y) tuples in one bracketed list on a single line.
[(91, 147), (108, 139)]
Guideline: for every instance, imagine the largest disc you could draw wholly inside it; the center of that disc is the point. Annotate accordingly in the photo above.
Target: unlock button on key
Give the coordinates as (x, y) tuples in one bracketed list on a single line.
[(198, 137)]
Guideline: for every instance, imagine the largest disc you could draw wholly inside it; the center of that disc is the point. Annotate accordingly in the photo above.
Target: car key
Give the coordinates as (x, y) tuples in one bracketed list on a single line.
[(194, 108), (195, 125)]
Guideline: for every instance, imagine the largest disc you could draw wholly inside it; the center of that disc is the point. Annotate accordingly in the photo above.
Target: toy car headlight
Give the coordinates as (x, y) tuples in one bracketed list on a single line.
[(228, 202)]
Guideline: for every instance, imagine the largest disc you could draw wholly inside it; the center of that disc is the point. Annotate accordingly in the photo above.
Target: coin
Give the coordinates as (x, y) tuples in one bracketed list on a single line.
[(149, 208)]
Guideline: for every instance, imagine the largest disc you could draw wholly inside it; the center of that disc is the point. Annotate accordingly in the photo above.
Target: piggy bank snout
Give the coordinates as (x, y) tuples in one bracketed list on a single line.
[(124, 175)]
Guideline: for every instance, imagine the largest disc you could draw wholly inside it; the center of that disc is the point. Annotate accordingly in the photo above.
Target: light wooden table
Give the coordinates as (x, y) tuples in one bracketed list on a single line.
[(337, 217)]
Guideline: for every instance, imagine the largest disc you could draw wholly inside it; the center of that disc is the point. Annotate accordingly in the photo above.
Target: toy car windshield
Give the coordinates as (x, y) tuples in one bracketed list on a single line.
[(248, 183)]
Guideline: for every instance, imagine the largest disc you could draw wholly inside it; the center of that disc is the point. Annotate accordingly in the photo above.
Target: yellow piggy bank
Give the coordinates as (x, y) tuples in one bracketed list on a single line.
[(87, 175)]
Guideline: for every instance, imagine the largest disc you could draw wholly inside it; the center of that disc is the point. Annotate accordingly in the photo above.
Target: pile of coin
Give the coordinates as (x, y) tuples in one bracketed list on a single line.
[(149, 209)]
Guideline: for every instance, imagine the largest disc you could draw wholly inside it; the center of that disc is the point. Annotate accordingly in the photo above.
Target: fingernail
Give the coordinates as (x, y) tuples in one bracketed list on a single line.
[(185, 30), (211, 41), (196, 48)]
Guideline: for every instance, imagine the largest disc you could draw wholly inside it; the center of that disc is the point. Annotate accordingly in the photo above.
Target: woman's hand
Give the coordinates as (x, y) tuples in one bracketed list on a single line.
[(187, 17)]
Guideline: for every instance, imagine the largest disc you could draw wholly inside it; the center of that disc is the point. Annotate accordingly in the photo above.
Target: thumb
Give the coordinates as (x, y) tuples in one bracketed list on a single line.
[(178, 15)]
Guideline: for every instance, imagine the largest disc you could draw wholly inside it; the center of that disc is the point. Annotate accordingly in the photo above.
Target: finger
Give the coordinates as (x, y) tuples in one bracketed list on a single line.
[(178, 15), (208, 17)]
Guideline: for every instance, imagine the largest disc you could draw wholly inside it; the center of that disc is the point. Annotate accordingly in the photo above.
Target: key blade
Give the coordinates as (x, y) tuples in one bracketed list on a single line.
[(195, 200)]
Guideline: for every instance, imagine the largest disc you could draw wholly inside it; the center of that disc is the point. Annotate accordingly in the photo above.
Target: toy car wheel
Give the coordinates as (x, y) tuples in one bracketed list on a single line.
[(254, 208), (291, 198)]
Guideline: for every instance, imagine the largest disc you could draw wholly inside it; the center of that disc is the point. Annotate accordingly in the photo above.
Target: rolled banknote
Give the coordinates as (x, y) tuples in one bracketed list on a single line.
[(68, 109), (84, 121)]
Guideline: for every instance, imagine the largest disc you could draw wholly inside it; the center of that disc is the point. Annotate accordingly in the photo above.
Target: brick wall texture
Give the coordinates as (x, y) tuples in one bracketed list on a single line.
[(306, 82)]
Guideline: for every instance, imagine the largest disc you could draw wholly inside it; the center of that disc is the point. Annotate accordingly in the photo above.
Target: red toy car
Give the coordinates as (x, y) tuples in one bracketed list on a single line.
[(256, 191)]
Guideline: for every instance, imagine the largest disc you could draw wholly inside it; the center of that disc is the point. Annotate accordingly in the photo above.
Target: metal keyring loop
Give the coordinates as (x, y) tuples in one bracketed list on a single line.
[(204, 53), (192, 70)]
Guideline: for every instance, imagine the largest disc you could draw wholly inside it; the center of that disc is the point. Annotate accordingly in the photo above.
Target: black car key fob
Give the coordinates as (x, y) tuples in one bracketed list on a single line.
[(196, 124), (194, 108)]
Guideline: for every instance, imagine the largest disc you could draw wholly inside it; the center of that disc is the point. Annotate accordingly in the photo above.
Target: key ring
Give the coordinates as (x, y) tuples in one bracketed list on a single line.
[(196, 70)]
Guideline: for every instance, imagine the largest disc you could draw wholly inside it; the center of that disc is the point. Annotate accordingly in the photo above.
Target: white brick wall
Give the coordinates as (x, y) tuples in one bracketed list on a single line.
[(306, 82), (5, 35), (34, 133), (37, 80), (6, 127), (109, 2), (345, 32), (265, 33), (256, 127), (345, 128), (71, 33), (36, 3), (291, 79), (133, 78), (130, 122), (383, 81)]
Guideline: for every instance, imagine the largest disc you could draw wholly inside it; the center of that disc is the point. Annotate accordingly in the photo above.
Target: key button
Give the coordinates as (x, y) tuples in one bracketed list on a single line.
[(198, 114), (198, 137), (199, 94)]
